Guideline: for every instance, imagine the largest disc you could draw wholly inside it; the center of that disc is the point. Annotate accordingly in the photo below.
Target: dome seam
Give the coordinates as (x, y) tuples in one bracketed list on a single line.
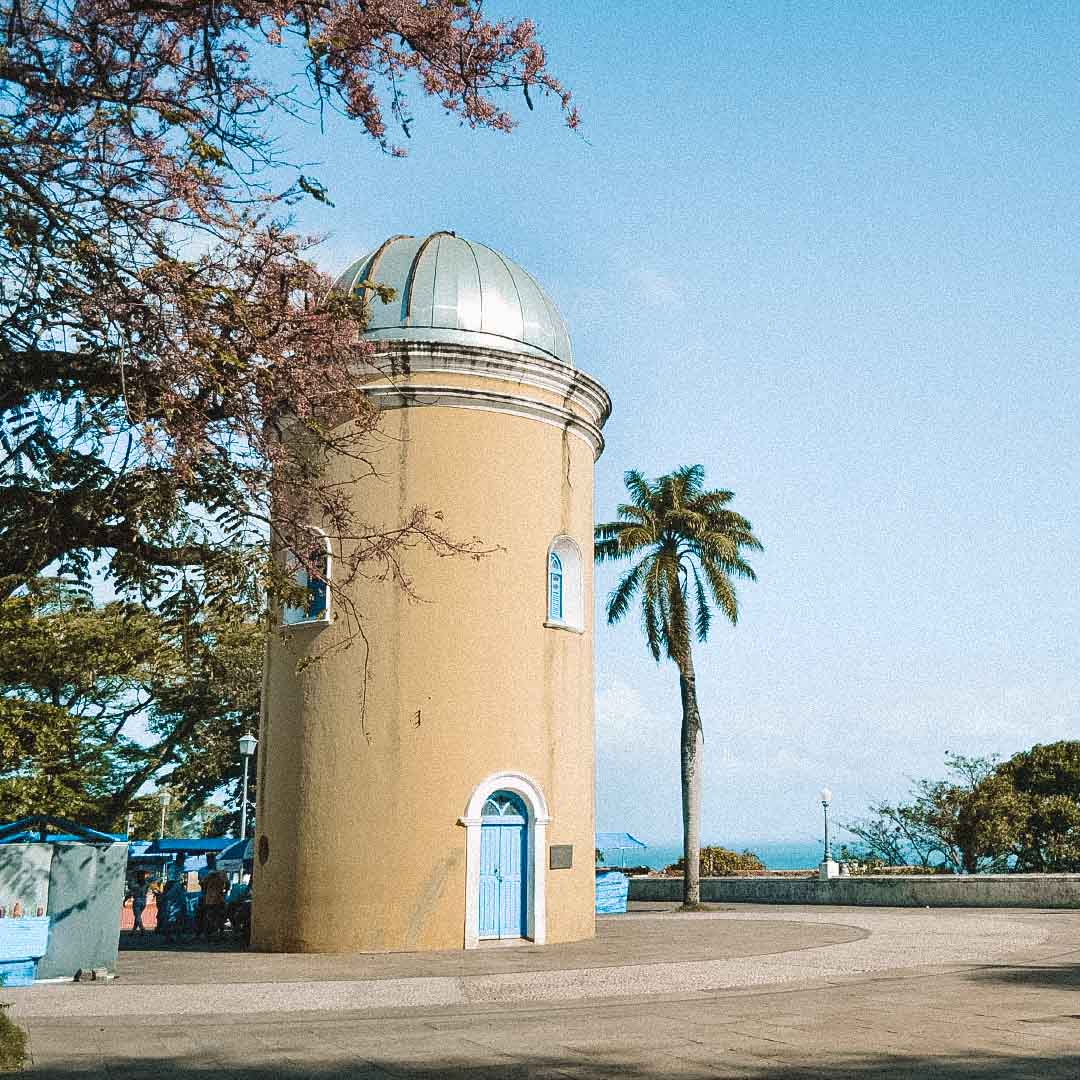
[(517, 292), (479, 281)]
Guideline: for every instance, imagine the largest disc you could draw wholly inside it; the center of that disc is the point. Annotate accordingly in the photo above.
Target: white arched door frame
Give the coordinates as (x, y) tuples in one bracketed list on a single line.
[(535, 891)]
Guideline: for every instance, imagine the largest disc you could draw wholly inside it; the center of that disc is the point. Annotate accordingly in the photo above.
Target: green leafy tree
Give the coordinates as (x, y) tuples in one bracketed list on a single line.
[(686, 546), (970, 822), (893, 835), (1047, 779), (974, 817), (99, 702), (209, 698), (145, 380), (44, 763), (74, 676)]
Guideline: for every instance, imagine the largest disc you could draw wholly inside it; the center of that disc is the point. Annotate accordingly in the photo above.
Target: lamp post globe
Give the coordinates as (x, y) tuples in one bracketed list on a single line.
[(247, 748)]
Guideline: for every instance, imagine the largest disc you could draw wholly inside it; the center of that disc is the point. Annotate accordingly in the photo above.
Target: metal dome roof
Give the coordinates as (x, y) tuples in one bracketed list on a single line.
[(457, 291)]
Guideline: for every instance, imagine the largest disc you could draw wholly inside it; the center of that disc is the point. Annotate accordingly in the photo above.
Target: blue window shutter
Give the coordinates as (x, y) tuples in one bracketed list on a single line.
[(555, 590), (316, 587), (316, 598)]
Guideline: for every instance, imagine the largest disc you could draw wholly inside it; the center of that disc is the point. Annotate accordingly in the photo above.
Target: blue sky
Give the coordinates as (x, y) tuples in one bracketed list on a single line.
[(831, 252)]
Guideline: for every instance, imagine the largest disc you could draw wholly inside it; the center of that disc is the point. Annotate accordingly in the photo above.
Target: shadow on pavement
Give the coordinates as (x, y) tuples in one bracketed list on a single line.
[(599, 1067), (151, 941), (1057, 977)]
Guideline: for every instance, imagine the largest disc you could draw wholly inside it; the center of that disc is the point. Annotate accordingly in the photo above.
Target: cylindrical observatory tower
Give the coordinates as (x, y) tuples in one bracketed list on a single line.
[(458, 806)]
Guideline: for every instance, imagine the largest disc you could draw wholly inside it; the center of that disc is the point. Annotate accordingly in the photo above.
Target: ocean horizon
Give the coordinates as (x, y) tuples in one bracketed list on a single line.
[(775, 854)]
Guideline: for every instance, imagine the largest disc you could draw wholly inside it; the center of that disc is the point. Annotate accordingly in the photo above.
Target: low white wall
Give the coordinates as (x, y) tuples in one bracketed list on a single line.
[(931, 890)]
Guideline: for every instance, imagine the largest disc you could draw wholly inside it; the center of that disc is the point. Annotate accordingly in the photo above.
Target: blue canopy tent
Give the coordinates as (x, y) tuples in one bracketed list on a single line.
[(193, 849), (618, 841), (237, 857), (139, 859), (35, 830), (198, 845)]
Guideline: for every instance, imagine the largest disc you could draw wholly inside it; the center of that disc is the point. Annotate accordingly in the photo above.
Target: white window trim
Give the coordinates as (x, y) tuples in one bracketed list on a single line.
[(573, 585), (536, 871), (324, 618)]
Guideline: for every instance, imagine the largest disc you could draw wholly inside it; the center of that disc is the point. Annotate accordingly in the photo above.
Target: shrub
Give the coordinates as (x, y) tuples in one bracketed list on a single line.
[(12, 1043), (720, 862), (878, 867)]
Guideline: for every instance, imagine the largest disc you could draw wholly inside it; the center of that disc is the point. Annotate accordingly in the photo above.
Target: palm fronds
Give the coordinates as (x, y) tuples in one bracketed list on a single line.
[(688, 546)]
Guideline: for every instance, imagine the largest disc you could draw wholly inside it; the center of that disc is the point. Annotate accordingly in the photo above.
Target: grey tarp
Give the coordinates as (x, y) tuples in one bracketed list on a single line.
[(24, 876), (81, 887), (86, 893)]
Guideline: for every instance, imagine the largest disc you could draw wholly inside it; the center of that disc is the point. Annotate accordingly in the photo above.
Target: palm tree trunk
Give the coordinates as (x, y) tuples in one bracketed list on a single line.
[(692, 742)]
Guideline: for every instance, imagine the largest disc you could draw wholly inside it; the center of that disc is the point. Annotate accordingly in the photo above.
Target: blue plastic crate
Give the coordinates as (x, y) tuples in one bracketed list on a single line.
[(611, 893), (17, 972)]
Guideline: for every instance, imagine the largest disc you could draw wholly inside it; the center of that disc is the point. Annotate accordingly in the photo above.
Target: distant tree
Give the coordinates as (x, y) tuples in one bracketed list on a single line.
[(197, 716), (895, 835), (73, 676), (1022, 814), (1047, 779), (142, 820), (974, 817), (966, 823), (687, 545), (100, 701)]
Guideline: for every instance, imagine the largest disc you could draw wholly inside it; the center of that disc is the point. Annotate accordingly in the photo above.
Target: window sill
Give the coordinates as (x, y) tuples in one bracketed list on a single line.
[(563, 626), (301, 623)]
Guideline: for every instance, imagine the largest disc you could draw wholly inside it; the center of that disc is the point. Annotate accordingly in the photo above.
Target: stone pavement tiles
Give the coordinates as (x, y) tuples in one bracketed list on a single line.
[(1016, 1015)]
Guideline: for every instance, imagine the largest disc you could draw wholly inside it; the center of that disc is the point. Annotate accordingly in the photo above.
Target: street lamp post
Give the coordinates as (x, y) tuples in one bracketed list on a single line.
[(164, 803), (826, 798), (247, 748), (829, 867)]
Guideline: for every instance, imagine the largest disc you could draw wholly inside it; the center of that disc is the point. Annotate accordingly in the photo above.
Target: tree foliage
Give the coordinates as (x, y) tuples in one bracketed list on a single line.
[(687, 546), (1022, 814), (717, 861), (161, 327), (100, 701), (1047, 780)]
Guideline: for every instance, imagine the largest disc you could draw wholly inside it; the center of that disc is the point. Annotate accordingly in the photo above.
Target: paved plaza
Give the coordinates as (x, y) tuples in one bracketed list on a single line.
[(751, 991)]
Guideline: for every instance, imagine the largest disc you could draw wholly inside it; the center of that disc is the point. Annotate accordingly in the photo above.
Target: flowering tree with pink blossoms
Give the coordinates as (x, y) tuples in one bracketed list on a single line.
[(161, 326)]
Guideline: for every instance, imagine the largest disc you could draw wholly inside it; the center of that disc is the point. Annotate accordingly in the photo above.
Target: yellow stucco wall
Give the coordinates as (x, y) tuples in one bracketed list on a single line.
[(360, 811)]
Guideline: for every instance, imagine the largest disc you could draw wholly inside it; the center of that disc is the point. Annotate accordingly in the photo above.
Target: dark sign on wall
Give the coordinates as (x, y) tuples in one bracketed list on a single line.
[(562, 856)]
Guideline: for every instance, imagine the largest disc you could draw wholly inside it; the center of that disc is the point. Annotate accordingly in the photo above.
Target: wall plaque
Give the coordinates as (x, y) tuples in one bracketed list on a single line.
[(562, 856)]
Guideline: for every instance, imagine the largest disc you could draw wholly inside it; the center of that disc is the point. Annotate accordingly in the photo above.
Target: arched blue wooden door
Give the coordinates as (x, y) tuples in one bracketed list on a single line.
[(503, 840)]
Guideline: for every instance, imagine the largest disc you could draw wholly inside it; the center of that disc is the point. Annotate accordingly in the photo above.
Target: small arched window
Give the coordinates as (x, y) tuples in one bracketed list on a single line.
[(317, 607), (564, 607)]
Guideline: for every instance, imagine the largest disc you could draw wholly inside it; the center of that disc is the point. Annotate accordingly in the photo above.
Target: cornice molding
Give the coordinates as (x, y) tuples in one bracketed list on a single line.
[(464, 397), (580, 392)]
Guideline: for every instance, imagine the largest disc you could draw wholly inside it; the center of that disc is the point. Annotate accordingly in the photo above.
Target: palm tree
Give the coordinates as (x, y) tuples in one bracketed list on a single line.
[(688, 546)]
